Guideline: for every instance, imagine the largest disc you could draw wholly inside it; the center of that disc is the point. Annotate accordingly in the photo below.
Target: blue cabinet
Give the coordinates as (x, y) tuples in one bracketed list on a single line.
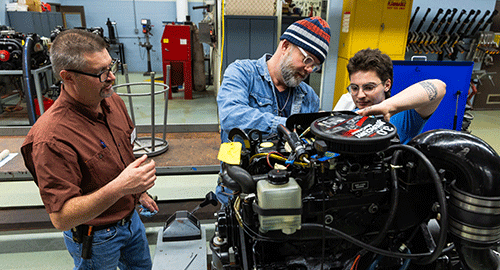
[(457, 77)]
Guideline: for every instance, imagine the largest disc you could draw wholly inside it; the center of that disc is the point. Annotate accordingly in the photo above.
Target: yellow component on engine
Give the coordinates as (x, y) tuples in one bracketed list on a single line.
[(230, 153)]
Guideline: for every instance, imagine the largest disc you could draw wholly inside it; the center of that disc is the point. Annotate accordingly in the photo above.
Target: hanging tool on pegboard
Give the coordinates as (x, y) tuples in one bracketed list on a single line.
[(484, 44)]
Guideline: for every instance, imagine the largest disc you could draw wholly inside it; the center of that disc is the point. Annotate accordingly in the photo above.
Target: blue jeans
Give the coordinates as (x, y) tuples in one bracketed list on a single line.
[(223, 194), (120, 246)]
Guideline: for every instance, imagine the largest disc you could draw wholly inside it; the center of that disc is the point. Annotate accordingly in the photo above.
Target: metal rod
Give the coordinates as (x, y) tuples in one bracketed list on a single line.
[(152, 74), (131, 105), (167, 79)]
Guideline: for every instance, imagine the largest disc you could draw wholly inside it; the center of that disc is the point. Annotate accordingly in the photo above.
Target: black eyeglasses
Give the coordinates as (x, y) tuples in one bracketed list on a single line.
[(103, 75), (367, 88)]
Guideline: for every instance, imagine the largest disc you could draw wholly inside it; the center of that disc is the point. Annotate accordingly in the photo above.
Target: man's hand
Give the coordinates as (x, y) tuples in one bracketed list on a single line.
[(148, 202), (137, 177), (423, 96), (377, 109)]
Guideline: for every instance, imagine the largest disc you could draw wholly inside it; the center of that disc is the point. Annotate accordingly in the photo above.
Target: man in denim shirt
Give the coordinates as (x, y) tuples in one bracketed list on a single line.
[(261, 94)]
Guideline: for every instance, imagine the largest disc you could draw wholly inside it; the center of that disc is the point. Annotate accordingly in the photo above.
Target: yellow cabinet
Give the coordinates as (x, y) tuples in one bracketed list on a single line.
[(371, 24)]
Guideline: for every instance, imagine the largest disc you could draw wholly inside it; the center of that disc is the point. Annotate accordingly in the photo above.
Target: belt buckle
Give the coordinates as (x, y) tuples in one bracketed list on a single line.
[(122, 222)]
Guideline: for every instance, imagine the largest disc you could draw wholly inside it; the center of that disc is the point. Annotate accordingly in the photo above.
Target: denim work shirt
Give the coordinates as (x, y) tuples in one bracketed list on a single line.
[(247, 99)]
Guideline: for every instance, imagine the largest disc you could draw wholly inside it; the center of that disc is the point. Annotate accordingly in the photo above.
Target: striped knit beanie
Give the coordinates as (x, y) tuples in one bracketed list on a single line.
[(311, 34)]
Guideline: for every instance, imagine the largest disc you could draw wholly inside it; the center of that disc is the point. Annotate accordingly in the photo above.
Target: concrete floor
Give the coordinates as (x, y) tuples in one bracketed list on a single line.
[(202, 109), (485, 126)]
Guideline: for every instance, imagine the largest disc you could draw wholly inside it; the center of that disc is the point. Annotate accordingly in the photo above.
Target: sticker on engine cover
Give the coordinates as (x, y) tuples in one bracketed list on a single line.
[(230, 153), (357, 126)]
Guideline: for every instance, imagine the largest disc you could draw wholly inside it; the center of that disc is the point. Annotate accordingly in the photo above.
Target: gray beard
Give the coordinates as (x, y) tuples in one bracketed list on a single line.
[(288, 73), (107, 94)]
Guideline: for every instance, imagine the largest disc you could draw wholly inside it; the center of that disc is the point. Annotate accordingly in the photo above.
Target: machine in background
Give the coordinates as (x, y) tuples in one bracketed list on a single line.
[(345, 194), (183, 52), (19, 55), (146, 30)]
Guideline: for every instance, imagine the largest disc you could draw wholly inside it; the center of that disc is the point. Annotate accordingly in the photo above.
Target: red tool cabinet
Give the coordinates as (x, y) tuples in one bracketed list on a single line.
[(176, 48)]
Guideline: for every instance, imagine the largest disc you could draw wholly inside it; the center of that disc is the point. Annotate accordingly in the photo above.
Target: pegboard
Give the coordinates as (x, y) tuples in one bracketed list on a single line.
[(250, 7), (309, 8)]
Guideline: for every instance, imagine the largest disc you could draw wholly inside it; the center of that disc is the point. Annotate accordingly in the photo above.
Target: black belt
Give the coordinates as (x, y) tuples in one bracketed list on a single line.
[(85, 233), (83, 229), (121, 222)]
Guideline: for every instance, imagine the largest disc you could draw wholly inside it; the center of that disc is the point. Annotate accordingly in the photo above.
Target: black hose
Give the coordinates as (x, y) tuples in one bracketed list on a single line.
[(314, 226), (241, 177), (441, 200), (294, 141), (11, 42)]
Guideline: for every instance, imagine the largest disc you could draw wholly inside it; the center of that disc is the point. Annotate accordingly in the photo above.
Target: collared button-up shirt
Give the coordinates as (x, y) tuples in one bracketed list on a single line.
[(72, 151), (246, 98)]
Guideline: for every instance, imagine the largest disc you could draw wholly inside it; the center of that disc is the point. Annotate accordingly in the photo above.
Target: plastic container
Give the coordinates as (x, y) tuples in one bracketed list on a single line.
[(279, 195)]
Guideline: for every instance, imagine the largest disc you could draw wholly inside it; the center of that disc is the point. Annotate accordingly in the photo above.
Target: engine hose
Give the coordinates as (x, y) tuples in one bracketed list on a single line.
[(294, 141), (441, 200), (11, 42), (240, 176), (314, 226), (228, 181), (27, 78)]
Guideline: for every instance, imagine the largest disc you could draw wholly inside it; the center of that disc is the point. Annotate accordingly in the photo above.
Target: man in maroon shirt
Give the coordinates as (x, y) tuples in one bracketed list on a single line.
[(80, 154)]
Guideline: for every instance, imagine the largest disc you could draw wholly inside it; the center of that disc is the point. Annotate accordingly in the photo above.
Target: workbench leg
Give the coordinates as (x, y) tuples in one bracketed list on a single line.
[(188, 81), (39, 96)]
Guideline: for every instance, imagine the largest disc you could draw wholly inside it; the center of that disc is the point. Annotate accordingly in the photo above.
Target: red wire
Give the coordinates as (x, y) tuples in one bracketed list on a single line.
[(273, 152), (355, 263)]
